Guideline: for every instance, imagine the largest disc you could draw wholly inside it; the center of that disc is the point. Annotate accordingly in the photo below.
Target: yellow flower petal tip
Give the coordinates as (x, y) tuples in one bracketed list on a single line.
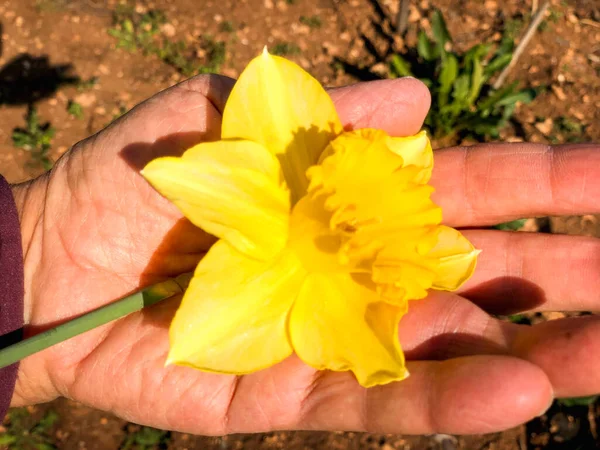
[(273, 104), (324, 235)]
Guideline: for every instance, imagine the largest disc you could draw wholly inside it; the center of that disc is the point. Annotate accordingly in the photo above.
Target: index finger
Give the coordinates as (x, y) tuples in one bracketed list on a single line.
[(493, 183)]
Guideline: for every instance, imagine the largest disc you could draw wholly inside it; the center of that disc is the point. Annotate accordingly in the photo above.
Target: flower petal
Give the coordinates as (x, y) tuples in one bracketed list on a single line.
[(280, 106), (455, 259), (232, 189), (233, 315), (338, 323), (415, 151), (412, 261)]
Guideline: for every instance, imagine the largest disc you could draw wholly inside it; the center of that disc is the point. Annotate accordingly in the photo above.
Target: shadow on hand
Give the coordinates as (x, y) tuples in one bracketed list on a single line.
[(170, 260), (184, 245), (500, 296), (139, 154), (184, 238), (453, 345), (506, 295)]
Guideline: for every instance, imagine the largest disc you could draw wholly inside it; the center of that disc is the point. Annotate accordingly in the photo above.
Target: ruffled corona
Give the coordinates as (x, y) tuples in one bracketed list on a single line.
[(377, 217)]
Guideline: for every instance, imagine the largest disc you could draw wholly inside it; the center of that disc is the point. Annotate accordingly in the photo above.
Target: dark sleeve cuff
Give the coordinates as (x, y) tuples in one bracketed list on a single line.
[(11, 288)]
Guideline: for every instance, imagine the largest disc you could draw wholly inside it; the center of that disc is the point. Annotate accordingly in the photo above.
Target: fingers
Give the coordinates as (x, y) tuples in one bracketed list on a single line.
[(446, 326), (463, 395), (459, 396), (398, 106), (567, 351), (489, 184), (518, 272)]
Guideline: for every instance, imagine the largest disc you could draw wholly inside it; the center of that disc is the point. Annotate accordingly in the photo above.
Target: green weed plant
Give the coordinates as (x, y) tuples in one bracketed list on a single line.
[(463, 99), (36, 138), (141, 32), (145, 438), (20, 435)]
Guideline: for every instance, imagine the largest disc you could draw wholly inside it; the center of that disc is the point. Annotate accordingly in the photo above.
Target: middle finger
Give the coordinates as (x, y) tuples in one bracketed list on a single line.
[(519, 272)]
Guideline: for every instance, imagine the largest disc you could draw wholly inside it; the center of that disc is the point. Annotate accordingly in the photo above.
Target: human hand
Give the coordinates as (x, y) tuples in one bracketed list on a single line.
[(95, 231)]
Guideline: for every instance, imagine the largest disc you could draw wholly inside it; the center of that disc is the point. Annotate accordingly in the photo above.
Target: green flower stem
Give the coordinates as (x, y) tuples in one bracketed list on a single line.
[(134, 302)]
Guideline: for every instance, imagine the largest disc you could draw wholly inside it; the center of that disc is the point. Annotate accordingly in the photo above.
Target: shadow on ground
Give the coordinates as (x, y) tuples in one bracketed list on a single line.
[(26, 79)]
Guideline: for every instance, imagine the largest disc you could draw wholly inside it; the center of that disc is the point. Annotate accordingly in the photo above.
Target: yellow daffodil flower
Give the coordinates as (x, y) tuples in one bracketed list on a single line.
[(324, 234)]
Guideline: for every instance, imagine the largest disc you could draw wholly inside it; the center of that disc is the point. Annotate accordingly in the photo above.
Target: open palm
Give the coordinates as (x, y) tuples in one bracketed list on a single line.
[(96, 231)]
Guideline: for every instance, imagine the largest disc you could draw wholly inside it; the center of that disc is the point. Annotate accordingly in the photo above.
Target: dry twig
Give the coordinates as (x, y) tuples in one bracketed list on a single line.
[(590, 22), (523, 438), (535, 23), (402, 17), (592, 420), (534, 6)]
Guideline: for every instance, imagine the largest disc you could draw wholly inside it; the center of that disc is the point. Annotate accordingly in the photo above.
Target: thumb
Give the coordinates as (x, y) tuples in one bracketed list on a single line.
[(398, 106)]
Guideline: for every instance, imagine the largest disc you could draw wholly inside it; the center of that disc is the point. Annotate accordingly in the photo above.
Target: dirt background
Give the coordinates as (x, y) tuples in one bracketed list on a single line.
[(45, 41)]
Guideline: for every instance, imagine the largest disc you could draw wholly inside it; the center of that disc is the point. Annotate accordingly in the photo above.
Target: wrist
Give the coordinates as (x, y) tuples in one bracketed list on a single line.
[(29, 199)]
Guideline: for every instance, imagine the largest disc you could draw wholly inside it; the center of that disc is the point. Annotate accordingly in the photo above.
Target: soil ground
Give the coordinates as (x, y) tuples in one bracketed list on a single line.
[(44, 42)]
